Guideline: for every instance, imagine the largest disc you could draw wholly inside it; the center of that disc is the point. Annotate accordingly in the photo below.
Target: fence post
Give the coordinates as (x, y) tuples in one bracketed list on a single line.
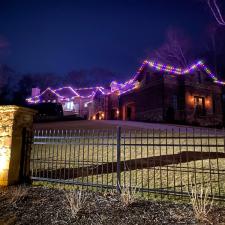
[(25, 157), (118, 169)]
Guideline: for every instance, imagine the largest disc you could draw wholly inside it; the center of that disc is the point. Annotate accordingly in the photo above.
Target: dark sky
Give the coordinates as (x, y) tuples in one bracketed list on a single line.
[(58, 36)]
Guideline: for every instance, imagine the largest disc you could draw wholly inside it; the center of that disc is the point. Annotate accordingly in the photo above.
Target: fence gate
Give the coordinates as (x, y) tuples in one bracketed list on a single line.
[(152, 162)]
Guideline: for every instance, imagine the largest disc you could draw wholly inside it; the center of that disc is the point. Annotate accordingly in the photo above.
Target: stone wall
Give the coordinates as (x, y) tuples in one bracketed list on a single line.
[(13, 120)]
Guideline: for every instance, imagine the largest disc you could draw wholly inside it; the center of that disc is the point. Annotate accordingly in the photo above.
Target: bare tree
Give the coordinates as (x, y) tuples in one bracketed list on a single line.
[(175, 49), (215, 9), (213, 53)]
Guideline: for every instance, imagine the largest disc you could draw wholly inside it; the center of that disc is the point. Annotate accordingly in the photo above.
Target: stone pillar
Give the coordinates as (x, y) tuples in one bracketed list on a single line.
[(13, 120)]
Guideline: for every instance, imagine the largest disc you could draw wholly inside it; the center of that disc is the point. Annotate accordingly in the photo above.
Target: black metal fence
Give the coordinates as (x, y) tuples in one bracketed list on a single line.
[(153, 162)]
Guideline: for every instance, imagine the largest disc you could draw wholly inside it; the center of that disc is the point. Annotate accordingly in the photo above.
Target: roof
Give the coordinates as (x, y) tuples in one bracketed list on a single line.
[(178, 71), (66, 92), (87, 92), (69, 92)]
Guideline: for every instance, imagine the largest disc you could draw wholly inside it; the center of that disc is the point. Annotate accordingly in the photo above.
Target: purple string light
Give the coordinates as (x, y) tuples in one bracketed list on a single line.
[(131, 84)]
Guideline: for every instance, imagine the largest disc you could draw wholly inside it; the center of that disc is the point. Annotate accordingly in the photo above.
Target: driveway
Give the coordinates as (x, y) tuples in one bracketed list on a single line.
[(113, 124)]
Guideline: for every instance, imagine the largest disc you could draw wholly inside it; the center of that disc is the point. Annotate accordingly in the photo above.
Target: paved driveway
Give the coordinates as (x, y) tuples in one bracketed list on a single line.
[(113, 124)]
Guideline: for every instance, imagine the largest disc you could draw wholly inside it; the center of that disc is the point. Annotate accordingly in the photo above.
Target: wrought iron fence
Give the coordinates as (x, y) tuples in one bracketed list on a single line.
[(154, 162)]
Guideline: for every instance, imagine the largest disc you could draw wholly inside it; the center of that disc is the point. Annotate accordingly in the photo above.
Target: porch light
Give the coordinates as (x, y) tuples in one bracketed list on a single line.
[(191, 99), (208, 103), (94, 117)]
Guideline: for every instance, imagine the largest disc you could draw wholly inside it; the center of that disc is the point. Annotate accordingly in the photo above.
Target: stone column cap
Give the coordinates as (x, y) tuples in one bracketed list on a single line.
[(14, 108)]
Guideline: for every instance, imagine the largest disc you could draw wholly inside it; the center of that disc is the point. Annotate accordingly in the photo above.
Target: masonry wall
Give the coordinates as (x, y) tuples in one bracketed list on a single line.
[(174, 98), (170, 98), (147, 100), (13, 120)]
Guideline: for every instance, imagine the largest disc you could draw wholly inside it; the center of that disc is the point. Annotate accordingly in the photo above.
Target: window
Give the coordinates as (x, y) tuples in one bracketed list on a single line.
[(199, 103), (69, 106)]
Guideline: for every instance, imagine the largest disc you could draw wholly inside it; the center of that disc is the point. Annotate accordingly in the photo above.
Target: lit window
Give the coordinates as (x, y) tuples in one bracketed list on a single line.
[(199, 103), (69, 106)]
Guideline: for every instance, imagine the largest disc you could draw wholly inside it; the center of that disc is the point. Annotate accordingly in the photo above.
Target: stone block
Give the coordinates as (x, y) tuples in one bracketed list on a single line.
[(13, 120)]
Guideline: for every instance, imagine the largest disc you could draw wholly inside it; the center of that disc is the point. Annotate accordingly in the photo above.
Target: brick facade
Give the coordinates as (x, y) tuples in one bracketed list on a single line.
[(160, 97)]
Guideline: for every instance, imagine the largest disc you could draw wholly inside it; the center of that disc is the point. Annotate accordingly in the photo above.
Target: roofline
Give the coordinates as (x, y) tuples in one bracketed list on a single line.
[(152, 64)]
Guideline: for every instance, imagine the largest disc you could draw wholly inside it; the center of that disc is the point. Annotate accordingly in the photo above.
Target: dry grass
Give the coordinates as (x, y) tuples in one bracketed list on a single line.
[(76, 201), (128, 195), (18, 193), (96, 210), (201, 202)]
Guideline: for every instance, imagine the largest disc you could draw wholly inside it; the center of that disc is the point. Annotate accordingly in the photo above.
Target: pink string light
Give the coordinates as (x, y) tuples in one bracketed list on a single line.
[(36, 99), (131, 84)]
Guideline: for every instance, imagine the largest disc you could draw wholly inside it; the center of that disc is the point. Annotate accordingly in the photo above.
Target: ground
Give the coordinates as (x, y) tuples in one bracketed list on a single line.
[(39, 206), (64, 154)]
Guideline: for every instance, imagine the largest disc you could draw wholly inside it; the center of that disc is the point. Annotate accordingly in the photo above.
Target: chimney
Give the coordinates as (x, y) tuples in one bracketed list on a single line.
[(35, 91)]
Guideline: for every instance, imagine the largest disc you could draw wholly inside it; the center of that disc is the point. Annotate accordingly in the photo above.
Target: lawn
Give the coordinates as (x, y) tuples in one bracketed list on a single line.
[(152, 161)]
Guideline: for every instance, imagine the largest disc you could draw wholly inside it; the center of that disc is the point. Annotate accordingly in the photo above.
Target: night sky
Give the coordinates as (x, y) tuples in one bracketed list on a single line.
[(59, 36)]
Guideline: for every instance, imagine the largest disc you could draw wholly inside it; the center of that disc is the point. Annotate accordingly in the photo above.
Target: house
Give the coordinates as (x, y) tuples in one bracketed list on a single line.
[(156, 93), (187, 96), (74, 101), (159, 93)]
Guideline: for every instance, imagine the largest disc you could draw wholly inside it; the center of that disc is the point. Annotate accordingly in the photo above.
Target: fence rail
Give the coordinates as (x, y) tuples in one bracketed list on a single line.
[(154, 162)]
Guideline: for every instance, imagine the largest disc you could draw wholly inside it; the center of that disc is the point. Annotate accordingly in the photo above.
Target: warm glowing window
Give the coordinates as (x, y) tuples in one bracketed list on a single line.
[(198, 100), (199, 103)]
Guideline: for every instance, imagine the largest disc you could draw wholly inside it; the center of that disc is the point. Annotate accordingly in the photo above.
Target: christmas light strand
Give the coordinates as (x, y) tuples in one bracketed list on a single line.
[(178, 71), (36, 99), (130, 84)]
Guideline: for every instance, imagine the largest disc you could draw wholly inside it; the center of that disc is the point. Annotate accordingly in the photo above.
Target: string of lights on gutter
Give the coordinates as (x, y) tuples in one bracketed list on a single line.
[(36, 99), (131, 84), (179, 71)]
